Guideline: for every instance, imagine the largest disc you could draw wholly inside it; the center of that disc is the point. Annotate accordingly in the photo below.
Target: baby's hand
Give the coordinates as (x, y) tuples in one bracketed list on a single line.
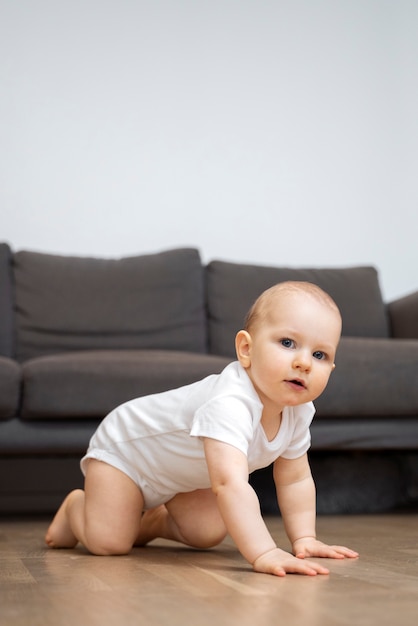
[(309, 546), (280, 563)]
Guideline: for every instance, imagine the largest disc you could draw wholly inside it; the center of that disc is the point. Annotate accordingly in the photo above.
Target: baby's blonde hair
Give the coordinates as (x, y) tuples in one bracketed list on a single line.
[(261, 307)]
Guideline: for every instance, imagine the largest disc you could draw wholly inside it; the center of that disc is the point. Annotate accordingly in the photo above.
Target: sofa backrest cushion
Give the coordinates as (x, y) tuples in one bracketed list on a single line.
[(6, 302), (233, 287), (151, 301)]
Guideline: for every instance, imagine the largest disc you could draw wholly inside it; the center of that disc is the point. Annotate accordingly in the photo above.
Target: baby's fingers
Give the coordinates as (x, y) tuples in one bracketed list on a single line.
[(342, 552), (331, 552), (280, 563), (309, 568)]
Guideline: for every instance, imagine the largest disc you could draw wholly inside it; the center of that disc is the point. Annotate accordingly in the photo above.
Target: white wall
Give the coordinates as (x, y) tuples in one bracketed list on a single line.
[(269, 131)]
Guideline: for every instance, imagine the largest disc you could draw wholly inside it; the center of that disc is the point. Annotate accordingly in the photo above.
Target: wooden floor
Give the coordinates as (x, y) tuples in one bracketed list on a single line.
[(168, 584)]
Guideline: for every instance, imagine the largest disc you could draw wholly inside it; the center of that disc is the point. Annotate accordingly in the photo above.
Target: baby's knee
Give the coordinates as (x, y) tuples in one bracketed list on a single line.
[(108, 548), (204, 538), (210, 541), (105, 545)]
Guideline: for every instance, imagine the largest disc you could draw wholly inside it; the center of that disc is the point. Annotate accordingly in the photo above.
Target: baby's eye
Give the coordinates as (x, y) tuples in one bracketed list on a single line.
[(318, 354), (287, 343)]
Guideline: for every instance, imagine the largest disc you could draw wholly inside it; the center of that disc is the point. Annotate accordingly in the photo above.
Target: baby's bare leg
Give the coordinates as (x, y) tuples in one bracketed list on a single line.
[(190, 518), (154, 523), (59, 534), (105, 518)]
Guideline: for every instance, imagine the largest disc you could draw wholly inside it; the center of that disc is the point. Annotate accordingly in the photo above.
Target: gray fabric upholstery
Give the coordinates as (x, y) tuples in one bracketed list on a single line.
[(403, 317), (369, 433), (10, 379), (233, 287), (90, 384), (373, 377), (45, 437), (6, 302), (75, 303)]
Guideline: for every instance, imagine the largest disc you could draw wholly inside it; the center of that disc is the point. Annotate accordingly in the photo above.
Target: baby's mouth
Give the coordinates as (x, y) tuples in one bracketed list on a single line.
[(297, 382)]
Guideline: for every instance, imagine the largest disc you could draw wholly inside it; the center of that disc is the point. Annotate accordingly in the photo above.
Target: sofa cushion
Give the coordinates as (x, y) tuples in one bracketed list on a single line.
[(10, 377), (403, 316), (373, 377), (34, 438), (6, 302), (76, 303), (90, 384), (232, 289)]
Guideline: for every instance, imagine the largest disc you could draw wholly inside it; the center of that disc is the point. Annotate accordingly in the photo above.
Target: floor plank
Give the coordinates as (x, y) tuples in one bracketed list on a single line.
[(167, 584)]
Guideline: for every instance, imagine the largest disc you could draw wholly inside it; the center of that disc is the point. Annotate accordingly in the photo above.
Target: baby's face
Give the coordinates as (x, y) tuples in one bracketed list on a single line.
[(291, 353)]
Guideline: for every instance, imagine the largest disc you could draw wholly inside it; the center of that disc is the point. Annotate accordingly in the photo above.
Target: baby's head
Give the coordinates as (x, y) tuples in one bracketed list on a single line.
[(288, 343), (280, 295)]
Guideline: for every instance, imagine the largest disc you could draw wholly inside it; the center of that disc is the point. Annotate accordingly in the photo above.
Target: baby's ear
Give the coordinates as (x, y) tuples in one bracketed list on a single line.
[(243, 348)]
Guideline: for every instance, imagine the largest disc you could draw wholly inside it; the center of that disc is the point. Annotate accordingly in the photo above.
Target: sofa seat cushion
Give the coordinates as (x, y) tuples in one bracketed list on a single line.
[(10, 377), (233, 287), (52, 438), (373, 377), (92, 383), (151, 301), (368, 433)]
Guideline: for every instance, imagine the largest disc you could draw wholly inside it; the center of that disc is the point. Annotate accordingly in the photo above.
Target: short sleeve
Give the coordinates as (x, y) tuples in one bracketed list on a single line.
[(301, 417), (228, 419)]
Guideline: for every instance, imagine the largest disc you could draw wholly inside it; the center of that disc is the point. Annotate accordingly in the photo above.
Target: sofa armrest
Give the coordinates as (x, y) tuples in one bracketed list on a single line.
[(403, 317)]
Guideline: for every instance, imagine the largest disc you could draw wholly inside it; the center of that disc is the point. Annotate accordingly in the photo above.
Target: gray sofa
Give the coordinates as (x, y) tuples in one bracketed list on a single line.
[(78, 336)]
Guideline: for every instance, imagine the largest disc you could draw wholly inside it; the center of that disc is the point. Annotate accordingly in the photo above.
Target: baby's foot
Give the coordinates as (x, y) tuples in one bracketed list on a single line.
[(59, 533), (152, 523)]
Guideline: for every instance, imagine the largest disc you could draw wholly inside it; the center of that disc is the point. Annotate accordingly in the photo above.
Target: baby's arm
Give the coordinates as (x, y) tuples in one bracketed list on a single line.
[(240, 510), (297, 500)]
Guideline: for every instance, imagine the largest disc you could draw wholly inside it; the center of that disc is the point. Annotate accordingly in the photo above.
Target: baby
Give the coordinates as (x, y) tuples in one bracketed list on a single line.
[(176, 464)]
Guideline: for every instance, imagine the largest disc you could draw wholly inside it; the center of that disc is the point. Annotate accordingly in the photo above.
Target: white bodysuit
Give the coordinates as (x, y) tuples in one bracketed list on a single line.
[(156, 439)]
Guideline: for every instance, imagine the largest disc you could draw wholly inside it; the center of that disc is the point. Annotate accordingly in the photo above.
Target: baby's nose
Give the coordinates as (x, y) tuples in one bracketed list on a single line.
[(303, 360)]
